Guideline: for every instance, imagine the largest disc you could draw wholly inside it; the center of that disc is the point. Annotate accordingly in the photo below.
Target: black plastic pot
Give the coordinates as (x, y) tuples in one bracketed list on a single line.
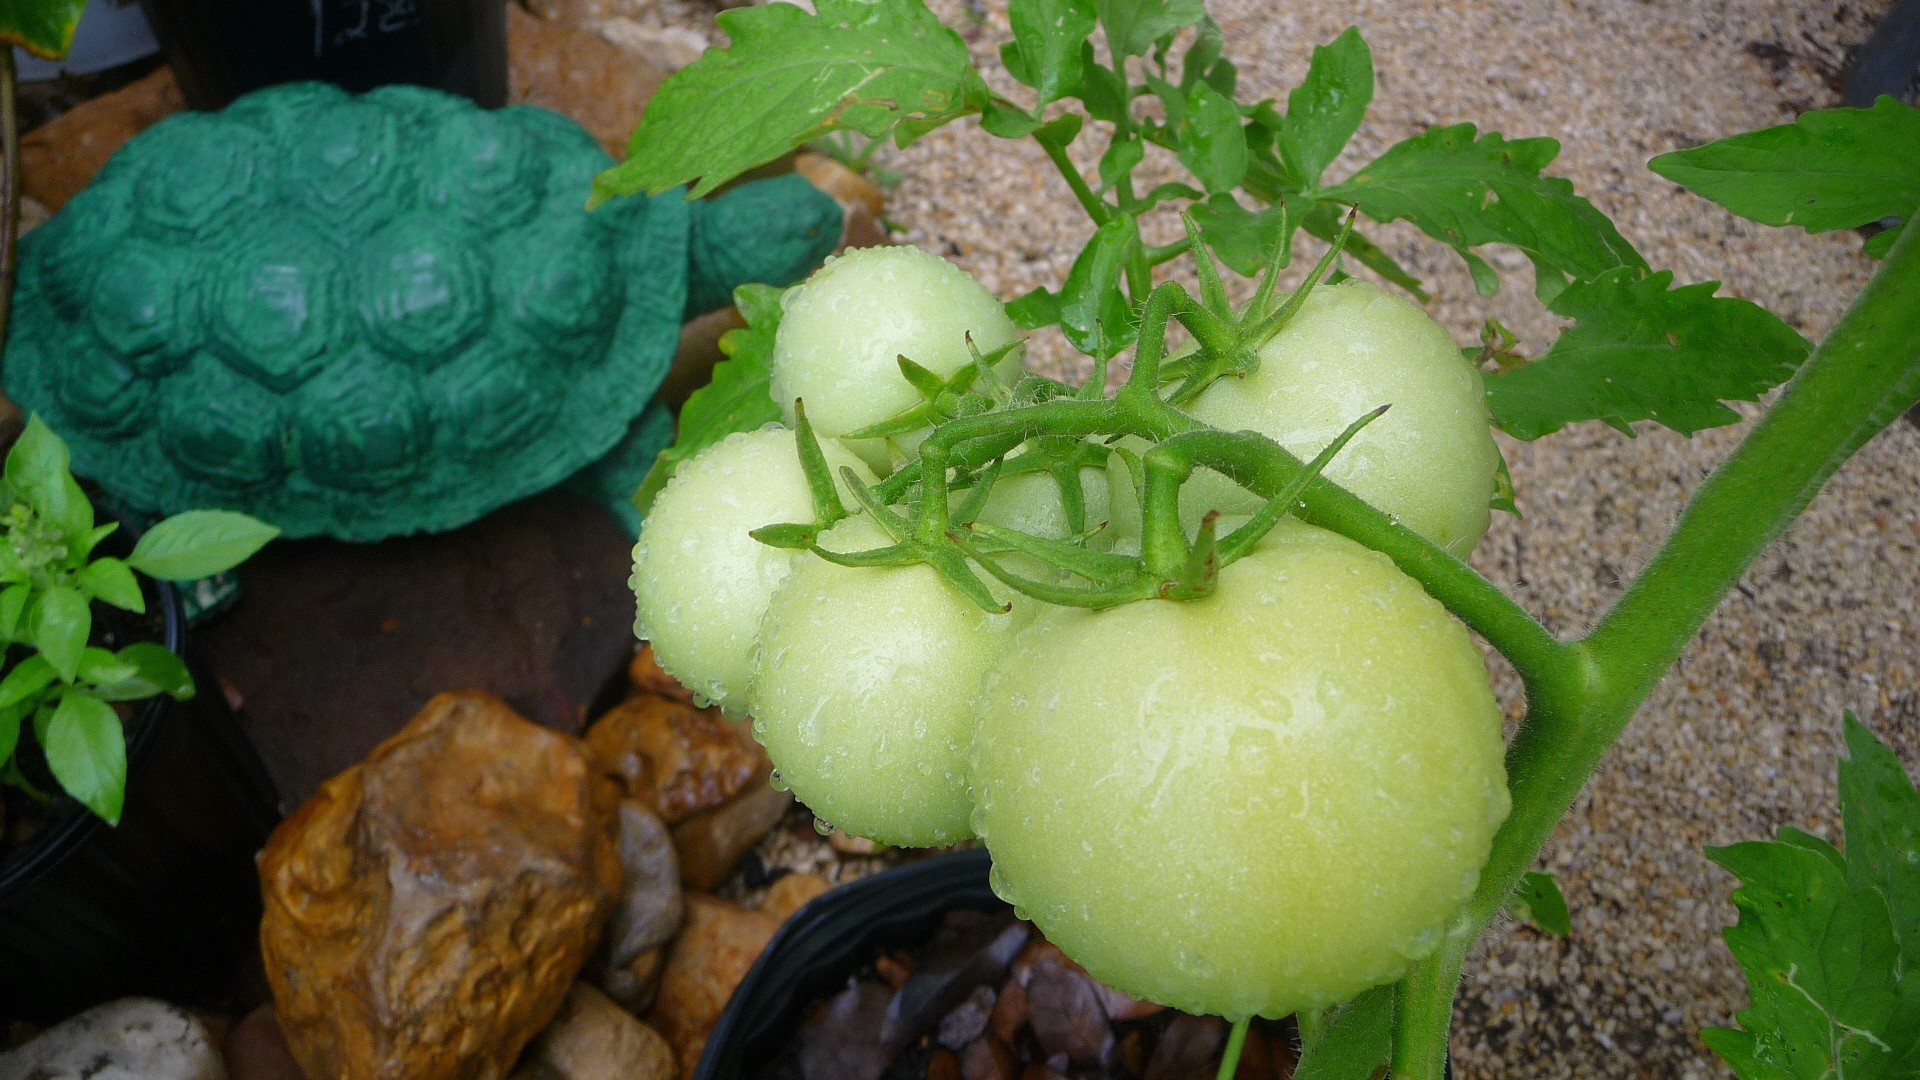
[(830, 939), (166, 903), (220, 49), (826, 942)]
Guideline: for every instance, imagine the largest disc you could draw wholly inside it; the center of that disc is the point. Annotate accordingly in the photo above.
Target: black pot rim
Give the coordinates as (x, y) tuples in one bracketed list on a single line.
[(69, 833)]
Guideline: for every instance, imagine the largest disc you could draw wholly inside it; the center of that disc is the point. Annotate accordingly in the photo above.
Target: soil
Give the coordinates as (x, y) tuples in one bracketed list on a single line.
[(25, 817)]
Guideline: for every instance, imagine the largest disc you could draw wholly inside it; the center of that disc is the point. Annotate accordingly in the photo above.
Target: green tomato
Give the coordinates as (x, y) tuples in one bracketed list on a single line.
[(867, 688), (843, 330), (701, 582), (1430, 461), (1265, 800)]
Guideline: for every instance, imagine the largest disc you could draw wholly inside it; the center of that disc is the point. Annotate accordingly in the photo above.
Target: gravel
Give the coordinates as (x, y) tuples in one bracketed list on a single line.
[(1743, 736)]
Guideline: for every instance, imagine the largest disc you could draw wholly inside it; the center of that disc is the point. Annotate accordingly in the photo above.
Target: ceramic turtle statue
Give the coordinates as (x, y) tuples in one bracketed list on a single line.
[(363, 316)]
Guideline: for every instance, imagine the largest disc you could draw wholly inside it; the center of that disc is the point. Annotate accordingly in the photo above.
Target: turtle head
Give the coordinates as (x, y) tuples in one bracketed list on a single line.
[(769, 231)]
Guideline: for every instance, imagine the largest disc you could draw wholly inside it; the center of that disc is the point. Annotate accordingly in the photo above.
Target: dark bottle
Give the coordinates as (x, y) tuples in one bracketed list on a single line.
[(221, 49)]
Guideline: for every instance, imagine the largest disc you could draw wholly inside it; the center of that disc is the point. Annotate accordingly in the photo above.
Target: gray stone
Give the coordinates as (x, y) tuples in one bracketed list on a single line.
[(129, 1039)]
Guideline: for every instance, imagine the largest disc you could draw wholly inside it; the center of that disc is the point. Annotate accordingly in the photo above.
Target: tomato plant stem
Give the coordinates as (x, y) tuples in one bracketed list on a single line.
[(1237, 1038), (1861, 378)]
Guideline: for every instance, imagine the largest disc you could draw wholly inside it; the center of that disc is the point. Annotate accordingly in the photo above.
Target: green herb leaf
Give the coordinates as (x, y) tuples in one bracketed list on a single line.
[(87, 752), (1537, 900), (42, 27), (1641, 352), (10, 717), (1034, 310), (112, 582), (1212, 146), (1325, 110), (37, 471), (199, 543), (1094, 313), (1881, 242), (1134, 26), (1246, 240), (1355, 1043), (28, 677), (1830, 169), (13, 604), (100, 666), (1048, 36), (58, 624), (155, 670), (740, 397), (1466, 190), (789, 77)]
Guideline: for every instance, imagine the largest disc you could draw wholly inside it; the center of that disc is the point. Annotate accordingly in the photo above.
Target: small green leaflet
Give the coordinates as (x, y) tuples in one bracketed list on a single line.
[(1832, 975), (1212, 146), (1325, 110), (87, 752), (199, 543), (1047, 38), (1035, 309), (1639, 351), (1356, 1042), (1465, 189), (788, 77), (1245, 240), (1094, 313), (1537, 900), (1133, 26), (739, 398), (1830, 169), (42, 27)]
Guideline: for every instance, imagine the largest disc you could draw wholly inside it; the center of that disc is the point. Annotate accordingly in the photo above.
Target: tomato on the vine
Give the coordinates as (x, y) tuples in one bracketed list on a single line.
[(1265, 800)]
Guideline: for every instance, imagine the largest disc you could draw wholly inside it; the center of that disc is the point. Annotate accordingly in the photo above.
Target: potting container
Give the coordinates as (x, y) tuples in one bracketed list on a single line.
[(220, 49), (165, 903)]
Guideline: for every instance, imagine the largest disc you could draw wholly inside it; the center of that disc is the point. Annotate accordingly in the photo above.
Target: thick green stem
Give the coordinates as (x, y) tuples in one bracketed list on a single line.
[(1096, 208), (1865, 374)]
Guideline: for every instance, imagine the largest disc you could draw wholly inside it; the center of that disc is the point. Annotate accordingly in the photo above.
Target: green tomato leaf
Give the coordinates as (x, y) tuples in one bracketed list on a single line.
[(1823, 970), (13, 604), (1325, 110), (740, 396), (87, 752), (1465, 190), (1134, 26), (1881, 242), (1881, 813), (37, 471), (154, 670), (1356, 1042), (1639, 351), (1048, 36), (1101, 90), (42, 27), (788, 77), (1094, 313), (1537, 900), (1122, 157), (199, 543), (1830, 169), (1034, 310), (1007, 123), (1245, 240), (30, 676), (1212, 146), (111, 581), (58, 625)]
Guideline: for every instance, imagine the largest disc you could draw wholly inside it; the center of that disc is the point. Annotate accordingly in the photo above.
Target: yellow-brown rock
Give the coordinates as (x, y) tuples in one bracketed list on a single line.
[(791, 893), (718, 942), (675, 759), (428, 909), (60, 157), (572, 71), (711, 843), (594, 1039)]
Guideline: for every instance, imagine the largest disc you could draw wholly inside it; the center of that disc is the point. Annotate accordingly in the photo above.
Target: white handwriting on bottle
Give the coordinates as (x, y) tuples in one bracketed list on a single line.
[(341, 22)]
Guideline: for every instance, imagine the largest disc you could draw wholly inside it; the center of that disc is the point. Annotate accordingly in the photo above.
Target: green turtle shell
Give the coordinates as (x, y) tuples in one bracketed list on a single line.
[(348, 315)]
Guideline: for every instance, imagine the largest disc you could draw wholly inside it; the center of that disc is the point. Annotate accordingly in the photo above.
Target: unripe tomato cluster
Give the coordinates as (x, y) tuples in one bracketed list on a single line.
[(1263, 800)]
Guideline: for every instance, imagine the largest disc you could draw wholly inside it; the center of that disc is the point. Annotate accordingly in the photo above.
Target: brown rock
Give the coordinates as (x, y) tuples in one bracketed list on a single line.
[(717, 944), (644, 673), (1066, 1014), (572, 71), (594, 1039), (256, 1050), (60, 157), (862, 201), (987, 1058), (529, 602), (674, 759), (663, 45), (1189, 1049), (791, 893), (854, 845), (944, 1065), (1009, 1012), (692, 369), (427, 910), (712, 843)]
